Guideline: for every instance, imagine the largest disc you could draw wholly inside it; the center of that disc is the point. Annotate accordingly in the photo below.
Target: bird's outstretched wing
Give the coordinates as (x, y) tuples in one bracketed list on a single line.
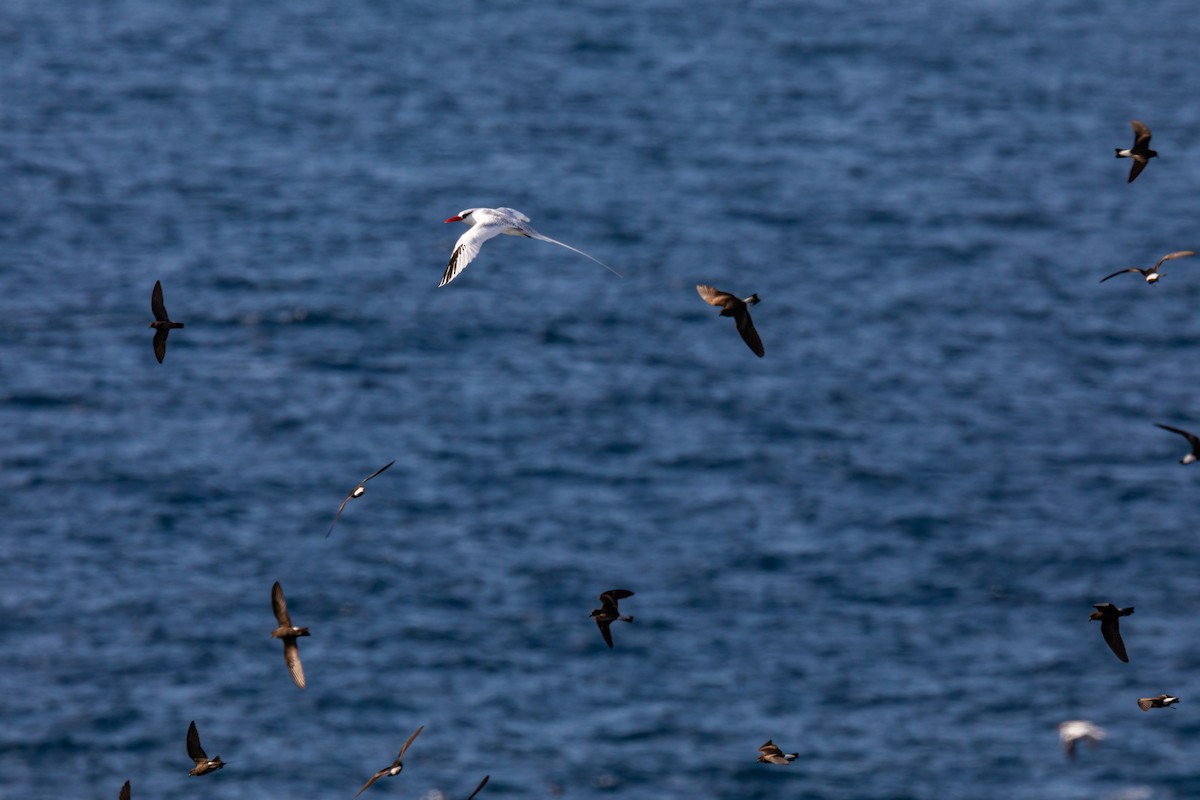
[(1069, 748), (1176, 254), (280, 605), (1141, 134), (609, 599), (124, 795), (770, 749), (376, 472), (1122, 272), (1193, 440), (291, 654), (712, 295), (407, 742), (156, 303), (160, 343), (479, 788), (745, 327), (374, 778), (603, 624), (338, 515), (467, 247), (1112, 634), (195, 751)]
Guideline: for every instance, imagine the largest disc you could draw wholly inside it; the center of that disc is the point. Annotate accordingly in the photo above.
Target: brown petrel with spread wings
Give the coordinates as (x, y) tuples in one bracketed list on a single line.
[(162, 323), (196, 752), (732, 306), (607, 613), (1140, 152), (288, 632), (1162, 701), (770, 753), (1108, 614), (1151, 275), (356, 492), (395, 767)]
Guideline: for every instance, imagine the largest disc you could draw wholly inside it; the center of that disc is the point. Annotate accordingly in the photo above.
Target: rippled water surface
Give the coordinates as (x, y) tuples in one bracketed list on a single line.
[(877, 546)]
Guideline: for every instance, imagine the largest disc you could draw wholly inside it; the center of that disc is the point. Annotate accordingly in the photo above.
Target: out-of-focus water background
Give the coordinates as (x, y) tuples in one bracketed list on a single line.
[(877, 546)]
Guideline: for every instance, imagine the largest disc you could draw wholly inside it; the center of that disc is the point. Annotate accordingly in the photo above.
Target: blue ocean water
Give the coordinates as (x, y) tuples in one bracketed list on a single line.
[(877, 546)]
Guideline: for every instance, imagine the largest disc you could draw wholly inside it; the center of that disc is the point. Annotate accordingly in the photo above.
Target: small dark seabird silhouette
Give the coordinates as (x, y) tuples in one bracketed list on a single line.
[(1074, 730), (479, 788), (1162, 701), (396, 766), (196, 752), (731, 306), (1108, 614), (1193, 440), (356, 492), (770, 753), (1151, 275), (124, 795), (288, 632), (607, 613), (162, 323), (1140, 152)]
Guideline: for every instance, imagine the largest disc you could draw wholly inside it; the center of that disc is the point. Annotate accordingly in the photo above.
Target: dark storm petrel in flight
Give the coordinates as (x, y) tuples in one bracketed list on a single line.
[(1140, 152), (288, 632), (356, 492), (1108, 614), (737, 308), (770, 753), (1151, 275), (162, 323), (395, 767), (1162, 701), (196, 752), (607, 613)]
